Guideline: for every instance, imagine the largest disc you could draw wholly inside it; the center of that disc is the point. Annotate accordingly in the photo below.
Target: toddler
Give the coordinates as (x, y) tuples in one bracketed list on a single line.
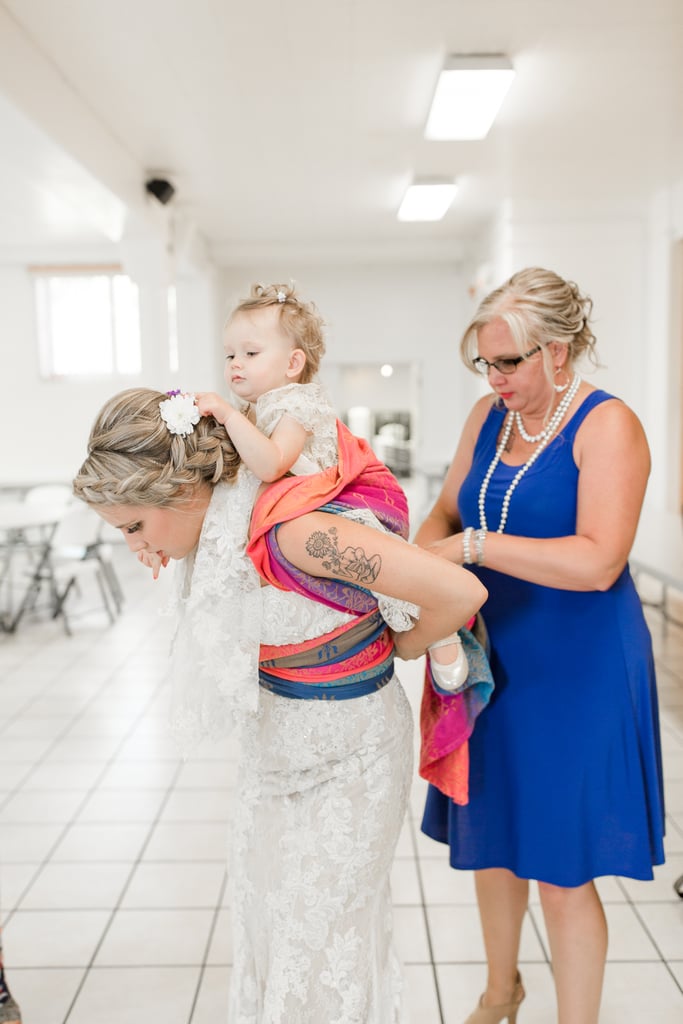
[(273, 345)]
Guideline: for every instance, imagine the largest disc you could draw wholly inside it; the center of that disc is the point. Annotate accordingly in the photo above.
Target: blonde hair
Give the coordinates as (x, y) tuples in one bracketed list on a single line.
[(539, 307), (300, 320), (133, 459)]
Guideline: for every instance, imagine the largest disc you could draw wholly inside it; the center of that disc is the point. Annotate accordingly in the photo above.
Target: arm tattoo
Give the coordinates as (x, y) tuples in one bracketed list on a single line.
[(349, 564)]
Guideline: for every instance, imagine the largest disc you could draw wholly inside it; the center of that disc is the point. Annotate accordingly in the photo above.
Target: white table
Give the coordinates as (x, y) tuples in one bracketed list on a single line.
[(31, 528)]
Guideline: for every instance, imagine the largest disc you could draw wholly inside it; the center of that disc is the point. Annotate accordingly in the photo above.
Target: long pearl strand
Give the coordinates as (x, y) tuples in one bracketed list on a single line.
[(544, 438)]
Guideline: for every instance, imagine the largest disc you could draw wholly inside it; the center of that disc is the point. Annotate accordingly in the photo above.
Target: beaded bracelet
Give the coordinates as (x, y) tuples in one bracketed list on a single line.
[(479, 539), (466, 549)]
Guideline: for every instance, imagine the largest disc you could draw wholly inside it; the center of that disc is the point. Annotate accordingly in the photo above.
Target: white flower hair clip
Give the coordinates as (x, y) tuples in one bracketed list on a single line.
[(179, 412), (281, 296)]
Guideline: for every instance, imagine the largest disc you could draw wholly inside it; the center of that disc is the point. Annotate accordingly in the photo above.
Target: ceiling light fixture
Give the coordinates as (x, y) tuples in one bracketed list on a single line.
[(427, 200), (469, 94)]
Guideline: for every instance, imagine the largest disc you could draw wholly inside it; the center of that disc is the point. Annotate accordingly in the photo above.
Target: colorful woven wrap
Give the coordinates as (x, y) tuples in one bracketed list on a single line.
[(447, 720), (359, 480), (353, 660)]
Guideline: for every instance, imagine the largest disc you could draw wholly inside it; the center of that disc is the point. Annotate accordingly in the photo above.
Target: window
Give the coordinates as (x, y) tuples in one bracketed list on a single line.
[(88, 322)]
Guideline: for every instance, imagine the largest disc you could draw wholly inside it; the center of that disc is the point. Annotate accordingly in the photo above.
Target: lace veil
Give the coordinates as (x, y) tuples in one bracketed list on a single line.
[(218, 605)]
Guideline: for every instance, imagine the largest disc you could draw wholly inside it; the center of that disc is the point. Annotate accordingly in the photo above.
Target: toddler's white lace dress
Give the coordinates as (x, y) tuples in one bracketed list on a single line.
[(308, 405), (322, 790)]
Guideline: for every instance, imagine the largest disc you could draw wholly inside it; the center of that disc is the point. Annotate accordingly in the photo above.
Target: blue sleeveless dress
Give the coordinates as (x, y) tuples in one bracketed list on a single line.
[(565, 762)]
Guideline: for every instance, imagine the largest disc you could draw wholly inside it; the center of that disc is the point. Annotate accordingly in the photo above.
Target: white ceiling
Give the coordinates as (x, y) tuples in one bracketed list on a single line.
[(295, 126)]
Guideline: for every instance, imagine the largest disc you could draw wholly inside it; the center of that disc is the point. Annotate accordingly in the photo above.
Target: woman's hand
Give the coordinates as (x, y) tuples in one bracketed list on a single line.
[(153, 561), (449, 547)]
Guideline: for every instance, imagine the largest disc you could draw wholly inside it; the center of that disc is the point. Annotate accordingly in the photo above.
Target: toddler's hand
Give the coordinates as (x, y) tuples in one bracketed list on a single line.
[(153, 561), (211, 404)]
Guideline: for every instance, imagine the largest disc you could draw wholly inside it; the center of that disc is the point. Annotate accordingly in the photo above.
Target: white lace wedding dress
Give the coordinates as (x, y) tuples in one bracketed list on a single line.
[(322, 789), (322, 795)]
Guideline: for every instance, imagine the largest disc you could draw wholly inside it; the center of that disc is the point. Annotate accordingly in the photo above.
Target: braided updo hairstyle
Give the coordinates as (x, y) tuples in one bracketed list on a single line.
[(539, 307), (300, 320), (133, 459)]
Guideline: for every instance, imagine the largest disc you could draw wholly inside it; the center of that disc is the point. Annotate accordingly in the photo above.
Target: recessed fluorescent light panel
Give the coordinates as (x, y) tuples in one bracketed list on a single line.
[(427, 200), (469, 94)]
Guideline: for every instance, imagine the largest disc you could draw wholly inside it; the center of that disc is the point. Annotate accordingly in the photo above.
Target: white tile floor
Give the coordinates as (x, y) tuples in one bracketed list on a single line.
[(112, 876)]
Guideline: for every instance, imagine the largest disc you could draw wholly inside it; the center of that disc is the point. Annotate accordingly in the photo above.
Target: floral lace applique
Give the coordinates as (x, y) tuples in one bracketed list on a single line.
[(323, 790), (309, 406)]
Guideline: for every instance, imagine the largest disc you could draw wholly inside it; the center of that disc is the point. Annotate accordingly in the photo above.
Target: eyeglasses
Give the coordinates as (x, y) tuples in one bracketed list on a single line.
[(504, 366)]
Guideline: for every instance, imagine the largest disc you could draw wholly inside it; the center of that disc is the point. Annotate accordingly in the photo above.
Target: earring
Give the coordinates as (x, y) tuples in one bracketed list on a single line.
[(560, 387)]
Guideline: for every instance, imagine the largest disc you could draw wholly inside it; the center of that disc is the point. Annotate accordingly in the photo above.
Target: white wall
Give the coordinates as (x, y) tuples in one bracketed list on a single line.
[(607, 257), (662, 359), (44, 424), (408, 314), (621, 257)]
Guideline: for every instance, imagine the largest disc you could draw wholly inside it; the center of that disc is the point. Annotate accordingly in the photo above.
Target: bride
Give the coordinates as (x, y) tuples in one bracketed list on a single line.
[(299, 655)]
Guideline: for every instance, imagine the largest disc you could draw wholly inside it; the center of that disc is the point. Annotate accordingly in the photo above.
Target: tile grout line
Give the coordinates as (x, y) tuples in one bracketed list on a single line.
[(134, 865), (95, 786), (423, 906), (209, 940)]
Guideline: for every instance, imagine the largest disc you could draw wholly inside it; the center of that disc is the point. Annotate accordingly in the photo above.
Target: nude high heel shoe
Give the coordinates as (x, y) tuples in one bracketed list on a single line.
[(494, 1014)]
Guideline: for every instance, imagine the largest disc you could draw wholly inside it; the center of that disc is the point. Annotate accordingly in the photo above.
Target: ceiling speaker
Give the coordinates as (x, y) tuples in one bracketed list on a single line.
[(161, 189)]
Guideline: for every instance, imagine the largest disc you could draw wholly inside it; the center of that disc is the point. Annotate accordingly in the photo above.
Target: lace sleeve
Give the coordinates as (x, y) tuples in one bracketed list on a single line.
[(309, 406), (306, 403)]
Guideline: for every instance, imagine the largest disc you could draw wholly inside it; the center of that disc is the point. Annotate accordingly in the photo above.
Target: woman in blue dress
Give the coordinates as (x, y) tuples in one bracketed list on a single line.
[(542, 501)]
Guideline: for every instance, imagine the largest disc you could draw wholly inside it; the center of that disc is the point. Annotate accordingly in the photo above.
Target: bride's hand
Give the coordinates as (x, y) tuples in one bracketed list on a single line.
[(153, 561)]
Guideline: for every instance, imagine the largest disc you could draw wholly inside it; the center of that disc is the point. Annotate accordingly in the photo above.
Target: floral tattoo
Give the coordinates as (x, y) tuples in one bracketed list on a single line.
[(351, 563)]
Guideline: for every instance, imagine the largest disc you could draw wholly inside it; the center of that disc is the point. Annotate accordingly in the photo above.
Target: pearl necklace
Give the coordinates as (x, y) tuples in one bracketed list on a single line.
[(529, 438), (544, 438)]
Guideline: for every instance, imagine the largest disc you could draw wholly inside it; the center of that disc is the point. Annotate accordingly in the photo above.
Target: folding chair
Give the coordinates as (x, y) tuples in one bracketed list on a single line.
[(77, 552)]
